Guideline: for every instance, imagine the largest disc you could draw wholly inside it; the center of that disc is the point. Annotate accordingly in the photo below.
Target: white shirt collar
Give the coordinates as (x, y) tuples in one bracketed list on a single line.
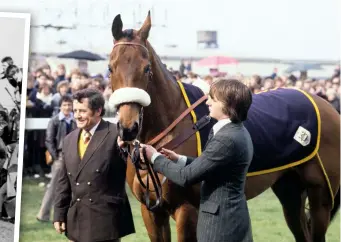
[(221, 123), (93, 129)]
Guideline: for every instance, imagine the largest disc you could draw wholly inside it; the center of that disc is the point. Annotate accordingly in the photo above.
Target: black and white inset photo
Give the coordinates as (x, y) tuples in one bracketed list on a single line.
[(14, 51)]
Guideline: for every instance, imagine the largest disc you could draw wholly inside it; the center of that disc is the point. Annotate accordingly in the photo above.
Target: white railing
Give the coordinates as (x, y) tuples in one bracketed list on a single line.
[(41, 123)]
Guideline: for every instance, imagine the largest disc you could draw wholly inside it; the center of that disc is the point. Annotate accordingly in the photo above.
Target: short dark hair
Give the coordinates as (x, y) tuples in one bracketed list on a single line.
[(235, 96), (95, 99), (11, 70), (7, 59), (66, 98)]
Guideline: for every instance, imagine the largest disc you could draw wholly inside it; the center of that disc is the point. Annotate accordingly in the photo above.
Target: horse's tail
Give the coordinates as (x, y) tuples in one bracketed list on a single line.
[(336, 205)]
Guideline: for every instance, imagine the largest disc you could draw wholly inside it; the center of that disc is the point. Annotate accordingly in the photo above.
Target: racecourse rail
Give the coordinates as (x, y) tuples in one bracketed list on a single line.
[(41, 123)]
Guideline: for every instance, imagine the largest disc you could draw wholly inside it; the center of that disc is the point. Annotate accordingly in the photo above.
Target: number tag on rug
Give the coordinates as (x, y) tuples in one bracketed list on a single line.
[(302, 136)]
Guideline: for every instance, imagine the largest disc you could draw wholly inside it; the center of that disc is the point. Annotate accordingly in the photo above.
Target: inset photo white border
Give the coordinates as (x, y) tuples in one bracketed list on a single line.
[(14, 46)]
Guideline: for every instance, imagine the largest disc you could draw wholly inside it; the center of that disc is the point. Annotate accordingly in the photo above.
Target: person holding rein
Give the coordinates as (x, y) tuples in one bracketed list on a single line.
[(221, 168)]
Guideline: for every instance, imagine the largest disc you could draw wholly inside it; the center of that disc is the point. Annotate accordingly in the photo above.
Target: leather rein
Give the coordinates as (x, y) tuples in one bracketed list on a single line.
[(139, 159)]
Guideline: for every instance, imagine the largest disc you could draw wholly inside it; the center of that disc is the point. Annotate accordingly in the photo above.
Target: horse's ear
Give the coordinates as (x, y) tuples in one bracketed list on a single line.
[(116, 27), (144, 30)]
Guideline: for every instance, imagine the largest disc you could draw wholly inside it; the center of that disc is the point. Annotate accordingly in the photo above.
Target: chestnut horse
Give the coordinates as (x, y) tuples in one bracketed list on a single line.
[(145, 86)]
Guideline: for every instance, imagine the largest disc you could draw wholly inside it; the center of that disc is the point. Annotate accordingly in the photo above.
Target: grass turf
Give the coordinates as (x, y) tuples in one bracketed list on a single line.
[(268, 223)]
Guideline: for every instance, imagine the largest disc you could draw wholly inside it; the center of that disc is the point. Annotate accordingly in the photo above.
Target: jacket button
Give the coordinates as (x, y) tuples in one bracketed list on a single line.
[(78, 199), (97, 170), (90, 199), (69, 173), (77, 184), (89, 183)]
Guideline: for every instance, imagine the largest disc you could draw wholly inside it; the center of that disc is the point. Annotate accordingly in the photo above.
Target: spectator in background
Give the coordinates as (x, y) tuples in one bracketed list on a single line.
[(41, 78), (182, 68), (47, 70), (203, 85), (98, 83), (268, 84), (333, 99), (58, 128), (256, 88), (43, 109), (62, 90), (75, 75), (279, 82), (61, 74), (299, 84), (75, 86), (44, 99), (208, 79), (255, 80)]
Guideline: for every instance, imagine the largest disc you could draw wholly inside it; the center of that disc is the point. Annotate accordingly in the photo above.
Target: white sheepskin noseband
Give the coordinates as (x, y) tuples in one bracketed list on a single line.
[(128, 94)]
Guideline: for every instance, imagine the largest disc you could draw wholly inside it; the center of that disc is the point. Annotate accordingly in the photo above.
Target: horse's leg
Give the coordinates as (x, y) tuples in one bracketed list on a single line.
[(290, 192), (322, 174), (157, 225), (336, 205), (320, 203), (186, 217)]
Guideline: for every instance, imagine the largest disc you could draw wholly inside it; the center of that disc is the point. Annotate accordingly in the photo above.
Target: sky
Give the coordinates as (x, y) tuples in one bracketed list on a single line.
[(285, 29)]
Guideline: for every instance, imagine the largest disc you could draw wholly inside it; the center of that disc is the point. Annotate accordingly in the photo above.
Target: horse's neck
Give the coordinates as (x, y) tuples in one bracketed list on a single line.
[(166, 100)]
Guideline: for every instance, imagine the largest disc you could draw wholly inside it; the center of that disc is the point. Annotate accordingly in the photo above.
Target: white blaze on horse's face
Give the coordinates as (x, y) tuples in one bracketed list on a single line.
[(130, 74)]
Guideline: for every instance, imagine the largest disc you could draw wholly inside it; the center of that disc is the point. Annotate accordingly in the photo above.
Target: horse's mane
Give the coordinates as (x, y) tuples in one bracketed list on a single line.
[(165, 94), (159, 62)]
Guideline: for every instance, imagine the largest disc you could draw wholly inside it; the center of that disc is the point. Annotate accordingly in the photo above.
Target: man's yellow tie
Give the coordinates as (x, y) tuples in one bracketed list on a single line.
[(83, 143)]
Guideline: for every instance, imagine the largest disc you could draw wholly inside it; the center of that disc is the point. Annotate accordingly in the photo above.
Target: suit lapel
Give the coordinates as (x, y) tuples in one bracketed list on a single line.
[(210, 136), (97, 139), (223, 129), (71, 155)]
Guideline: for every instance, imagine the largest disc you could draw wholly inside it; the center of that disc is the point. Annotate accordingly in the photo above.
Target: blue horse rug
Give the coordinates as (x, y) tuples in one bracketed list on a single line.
[(284, 125), (191, 94)]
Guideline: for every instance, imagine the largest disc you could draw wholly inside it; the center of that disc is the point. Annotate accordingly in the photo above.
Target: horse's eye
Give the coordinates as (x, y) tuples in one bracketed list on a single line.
[(109, 69), (147, 68)]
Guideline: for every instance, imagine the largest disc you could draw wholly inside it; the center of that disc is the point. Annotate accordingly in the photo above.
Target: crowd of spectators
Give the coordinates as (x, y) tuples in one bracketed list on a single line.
[(45, 88)]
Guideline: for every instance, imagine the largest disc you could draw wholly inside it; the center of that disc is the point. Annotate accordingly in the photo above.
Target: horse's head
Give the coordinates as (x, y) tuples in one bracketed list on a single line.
[(130, 73)]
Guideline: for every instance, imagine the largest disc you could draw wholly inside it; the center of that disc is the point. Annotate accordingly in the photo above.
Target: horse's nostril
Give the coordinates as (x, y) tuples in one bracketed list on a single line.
[(135, 127)]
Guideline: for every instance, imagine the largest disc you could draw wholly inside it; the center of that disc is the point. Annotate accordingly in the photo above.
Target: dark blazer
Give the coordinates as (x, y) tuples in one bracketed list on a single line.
[(55, 134), (221, 169), (90, 193)]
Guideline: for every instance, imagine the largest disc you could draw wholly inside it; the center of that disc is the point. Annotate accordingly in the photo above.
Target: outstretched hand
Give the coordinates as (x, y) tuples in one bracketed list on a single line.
[(169, 154)]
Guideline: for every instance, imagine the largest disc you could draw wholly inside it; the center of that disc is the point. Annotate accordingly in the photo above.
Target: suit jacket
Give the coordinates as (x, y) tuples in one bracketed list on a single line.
[(90, 193), (221, 169)]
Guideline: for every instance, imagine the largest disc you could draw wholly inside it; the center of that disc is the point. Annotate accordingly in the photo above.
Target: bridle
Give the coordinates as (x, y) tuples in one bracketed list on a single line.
[(139, 159)]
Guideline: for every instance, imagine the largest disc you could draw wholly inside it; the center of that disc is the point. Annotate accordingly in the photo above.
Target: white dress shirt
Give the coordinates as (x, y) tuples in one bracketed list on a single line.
[(93, 129)]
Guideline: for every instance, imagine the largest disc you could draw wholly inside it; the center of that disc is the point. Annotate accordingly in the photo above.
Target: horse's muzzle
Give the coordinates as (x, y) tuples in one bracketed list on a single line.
[(128, 134)]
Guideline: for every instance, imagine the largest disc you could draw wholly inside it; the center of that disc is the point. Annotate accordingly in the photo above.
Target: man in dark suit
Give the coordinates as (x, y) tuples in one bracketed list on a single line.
[(91, 202), (221, 169)]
